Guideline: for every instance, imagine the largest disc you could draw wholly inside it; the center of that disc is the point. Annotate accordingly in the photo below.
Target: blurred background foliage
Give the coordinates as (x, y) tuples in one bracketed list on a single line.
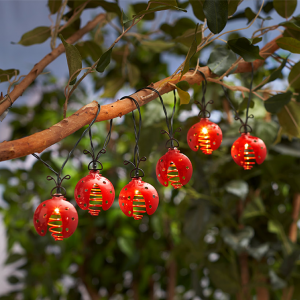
[(203, 238)]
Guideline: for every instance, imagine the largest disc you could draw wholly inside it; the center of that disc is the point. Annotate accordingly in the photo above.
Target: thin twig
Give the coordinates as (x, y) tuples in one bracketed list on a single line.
[(56, 27)]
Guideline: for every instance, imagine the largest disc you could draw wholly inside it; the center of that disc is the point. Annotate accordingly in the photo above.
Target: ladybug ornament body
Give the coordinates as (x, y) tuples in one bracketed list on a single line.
[(248, 150), (174, 167), (57, 213), (138, 198), (205, 135), (94, 192)]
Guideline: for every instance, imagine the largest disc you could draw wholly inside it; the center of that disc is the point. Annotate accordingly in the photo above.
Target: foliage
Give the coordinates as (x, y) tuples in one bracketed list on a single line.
[(199, 235)]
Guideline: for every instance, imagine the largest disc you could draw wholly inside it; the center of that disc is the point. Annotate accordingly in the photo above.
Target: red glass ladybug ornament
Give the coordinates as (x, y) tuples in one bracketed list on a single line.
[(138, 198), (94, 192), (174, 167), (248, 150), (57, 213), (205, 135)]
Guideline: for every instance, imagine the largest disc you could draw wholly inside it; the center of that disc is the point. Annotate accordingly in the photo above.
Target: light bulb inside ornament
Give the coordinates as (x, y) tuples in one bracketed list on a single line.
[(94, 192), (174, 168), (57, 214), (204, 130), (138, 198), (205, 135), (248, 150)]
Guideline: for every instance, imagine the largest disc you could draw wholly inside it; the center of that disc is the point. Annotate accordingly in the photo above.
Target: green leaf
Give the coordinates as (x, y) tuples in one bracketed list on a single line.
[(238, 241), (54, 6), (104, 61), (37, 35), (197, 7), (157, 8), (124, 18), (275, 103), (275, 75), (232, 6), (196, 219), (294, 76), (256, 40), (216, 13), (165, 2), (292, 24), (274, 228), (13, 279), (89, 48), (12, 258), (267, 131), (183, 85), (224, 276), (276, 282), (238, 188), (289, 263), (178, 28), (254, 208), (112, 86), (289, 43), (137, 7), (157, 46), (126, 246), (250, 15), (245, 49), (110, 7), (243, 105), (73, 59), (9, 73), (285, 8), (133, 74), (191, 53), (220, 60), (289, 119), (184, 96), (259, 251), (71, 29), (188, 37)]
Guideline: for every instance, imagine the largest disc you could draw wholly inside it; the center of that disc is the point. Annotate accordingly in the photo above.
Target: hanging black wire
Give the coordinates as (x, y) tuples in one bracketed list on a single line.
[(170, 123), (136, 154), (59, 180), (95, 158), (204, 113), (245, 126)]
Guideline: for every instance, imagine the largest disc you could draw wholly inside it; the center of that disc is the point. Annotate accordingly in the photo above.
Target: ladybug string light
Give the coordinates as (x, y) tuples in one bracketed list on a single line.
[(95, 192), (247, 150), (57, 214), (204, 135), (137, 198), (173, 167)]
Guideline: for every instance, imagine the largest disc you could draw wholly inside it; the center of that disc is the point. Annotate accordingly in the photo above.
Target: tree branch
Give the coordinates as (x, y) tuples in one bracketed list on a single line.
[(40, 66), (44, 139)]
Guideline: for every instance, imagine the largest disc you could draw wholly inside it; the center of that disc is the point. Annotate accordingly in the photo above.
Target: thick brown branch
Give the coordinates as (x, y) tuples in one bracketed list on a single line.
[(295, 216), (44, 139), (40, 66)]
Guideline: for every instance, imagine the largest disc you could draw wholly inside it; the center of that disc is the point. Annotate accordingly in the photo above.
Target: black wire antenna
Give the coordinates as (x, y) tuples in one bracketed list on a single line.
[(95, 158), (136, 153), (245, 128), (204, 113), (170, 123), (59, 180)]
